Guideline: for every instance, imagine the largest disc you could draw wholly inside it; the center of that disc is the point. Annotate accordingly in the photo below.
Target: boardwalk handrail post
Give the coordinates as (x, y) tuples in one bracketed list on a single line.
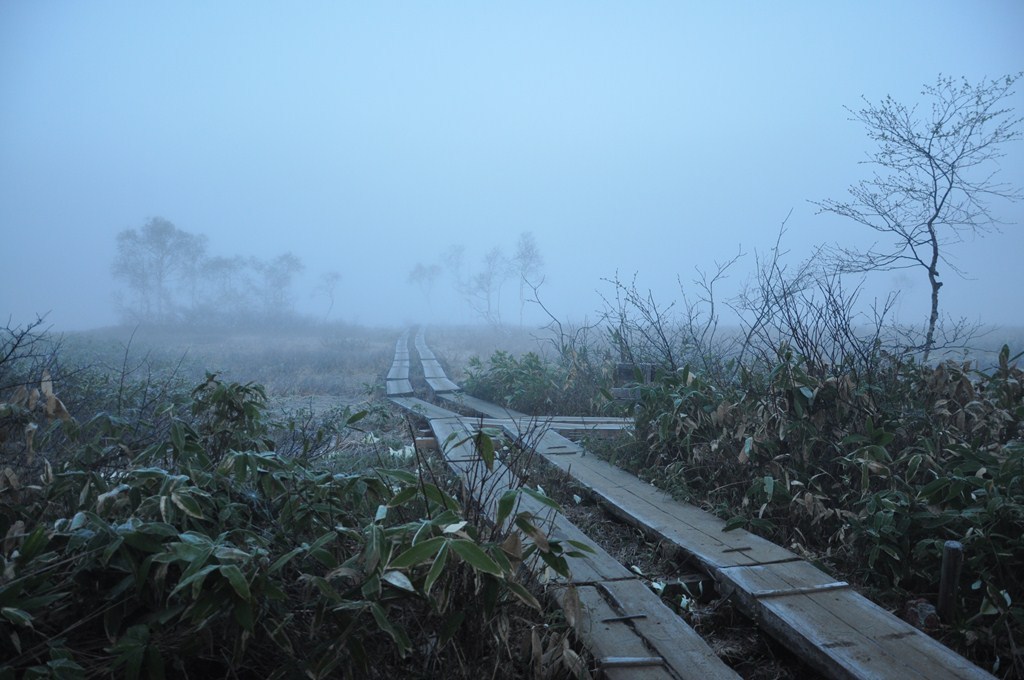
[(949, 580)]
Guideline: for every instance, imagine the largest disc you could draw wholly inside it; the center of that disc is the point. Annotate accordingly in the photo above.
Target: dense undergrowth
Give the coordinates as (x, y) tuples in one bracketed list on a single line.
[(870, 479), (151, 530), (823, 432), (529, 383)]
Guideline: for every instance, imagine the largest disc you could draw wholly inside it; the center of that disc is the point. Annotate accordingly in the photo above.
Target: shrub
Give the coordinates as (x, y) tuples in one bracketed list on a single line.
[(206, 553)]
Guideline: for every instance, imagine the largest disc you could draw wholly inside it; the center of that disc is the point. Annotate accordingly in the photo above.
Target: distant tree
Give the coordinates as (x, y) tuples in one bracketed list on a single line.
[(229, 289), (154, 261), (425, 276), (327, 286), (276, 278), (528, 265), (485, 286), (934, 180)]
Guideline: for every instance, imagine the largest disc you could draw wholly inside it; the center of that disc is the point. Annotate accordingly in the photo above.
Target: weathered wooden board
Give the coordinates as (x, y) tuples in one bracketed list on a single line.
[(698, 533), (608, 638), (844, 635), (421, 347), (398, 388), (432, 369), (828, 624), (549, 443), (442, 385), (682, 647), (485, 408), (558, 423), (399, 371), (778, 579), (422, 408), (683, 652)]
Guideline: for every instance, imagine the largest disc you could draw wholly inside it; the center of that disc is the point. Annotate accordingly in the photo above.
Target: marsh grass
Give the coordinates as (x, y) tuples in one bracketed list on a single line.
[(221, 536)]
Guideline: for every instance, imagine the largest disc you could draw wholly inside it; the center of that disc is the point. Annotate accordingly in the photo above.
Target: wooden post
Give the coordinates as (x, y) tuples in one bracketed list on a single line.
[(952, 561)]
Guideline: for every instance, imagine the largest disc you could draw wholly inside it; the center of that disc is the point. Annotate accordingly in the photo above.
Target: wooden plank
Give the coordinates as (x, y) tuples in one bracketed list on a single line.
[(484, 408), (422, 408), (583, 422), (682, 649), (829, 625), (835, 629), (397, 388), (699, 533), (779, 579), (550, 443), (606, 638), (844, 635), (399, 371), (442, 385), (421, 347), (432, 369)]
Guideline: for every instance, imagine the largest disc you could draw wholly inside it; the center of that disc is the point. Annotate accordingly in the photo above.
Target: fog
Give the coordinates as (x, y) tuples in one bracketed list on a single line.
[(638, 139)]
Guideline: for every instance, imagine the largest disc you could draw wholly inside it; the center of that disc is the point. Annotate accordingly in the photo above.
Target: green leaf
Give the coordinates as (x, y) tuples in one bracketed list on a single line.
[(323, 540), (189, 505), (889, 550), (403, 496), (580, 545), (734, 523), (17, 616), (933, 488), (400, 475), (475, 556), (195, 538), (485, 445), (451, 626), (195, 580), (538, 496), (130, 649), (285, 559), (237, 580), (36, 541), (178, 437), (436, 569), (506, 504), (398, 580), (355, 418), (523, 594), (439, 496), (418, 553), (397, 633)]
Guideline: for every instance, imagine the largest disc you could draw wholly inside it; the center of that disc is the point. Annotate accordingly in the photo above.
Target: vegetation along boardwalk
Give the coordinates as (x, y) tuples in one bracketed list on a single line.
[(626, 626)]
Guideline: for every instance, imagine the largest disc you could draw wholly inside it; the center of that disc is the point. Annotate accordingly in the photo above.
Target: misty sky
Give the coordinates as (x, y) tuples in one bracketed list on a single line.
[(630, 137)]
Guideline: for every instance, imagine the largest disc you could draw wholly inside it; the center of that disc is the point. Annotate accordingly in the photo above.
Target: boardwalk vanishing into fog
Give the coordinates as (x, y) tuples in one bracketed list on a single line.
[(629, 630)]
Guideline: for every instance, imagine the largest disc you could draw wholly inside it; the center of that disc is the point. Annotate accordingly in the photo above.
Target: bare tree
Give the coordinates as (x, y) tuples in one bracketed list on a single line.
[(229, 285), (425, 276), (528, 265), (485, 286), (327, 286), (935, 177), (276, 277), (153, 261)]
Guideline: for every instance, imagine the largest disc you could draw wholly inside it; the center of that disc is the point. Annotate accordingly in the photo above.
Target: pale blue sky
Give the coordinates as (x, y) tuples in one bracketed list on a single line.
[(643, 137)]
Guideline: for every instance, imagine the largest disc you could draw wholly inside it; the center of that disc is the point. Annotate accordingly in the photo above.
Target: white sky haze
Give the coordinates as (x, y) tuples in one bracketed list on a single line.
[(628, 137)]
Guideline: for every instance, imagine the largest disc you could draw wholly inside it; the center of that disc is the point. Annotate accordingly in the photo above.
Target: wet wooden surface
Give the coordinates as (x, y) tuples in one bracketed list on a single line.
[(822, 619)]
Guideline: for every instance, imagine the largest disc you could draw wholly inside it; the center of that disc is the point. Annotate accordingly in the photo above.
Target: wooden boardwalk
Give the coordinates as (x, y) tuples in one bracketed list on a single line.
[(625, 625), (827, 623), (397, 383)]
